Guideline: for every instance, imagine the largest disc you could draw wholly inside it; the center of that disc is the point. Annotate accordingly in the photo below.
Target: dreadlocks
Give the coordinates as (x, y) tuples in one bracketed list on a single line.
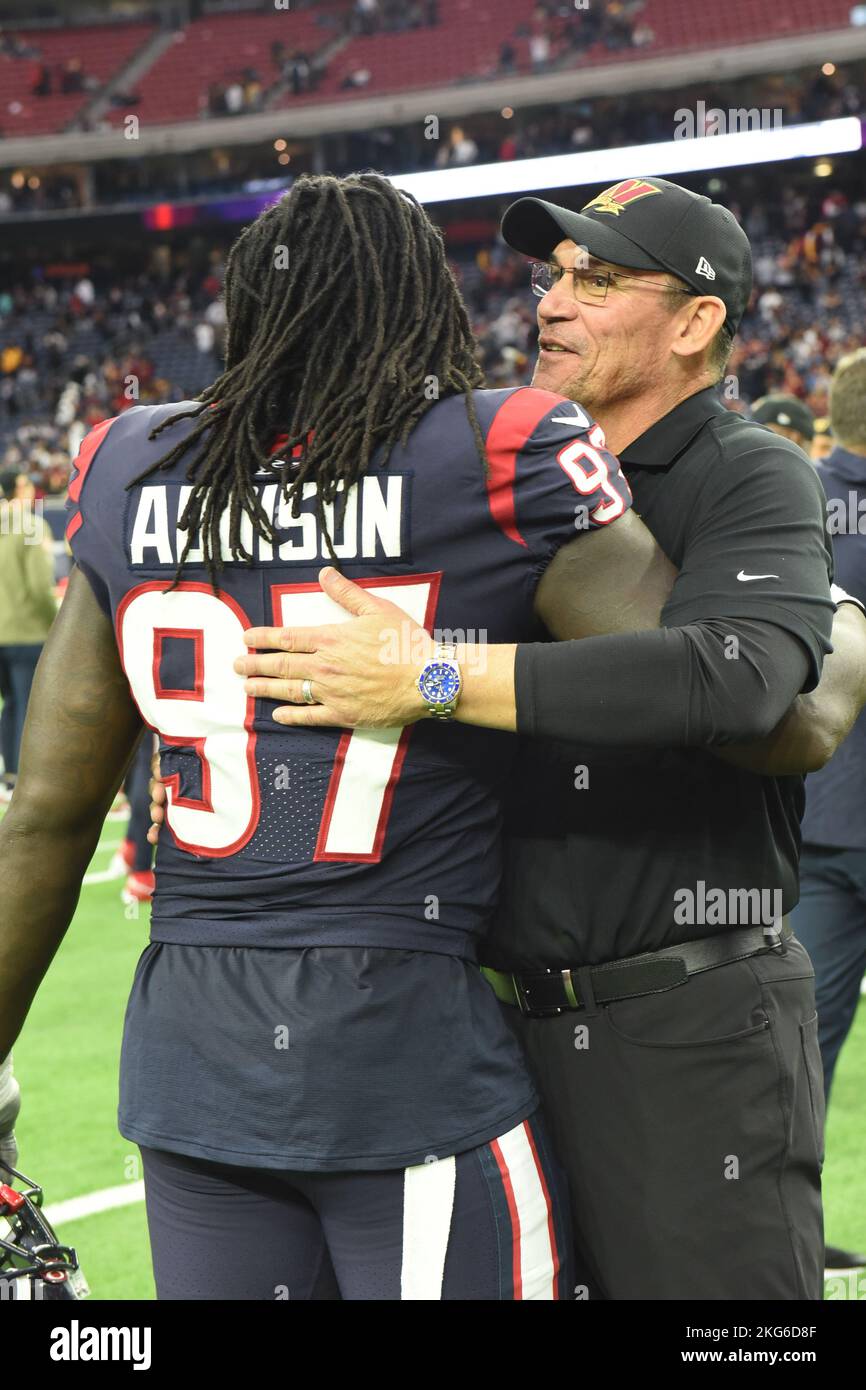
[(340, 308)]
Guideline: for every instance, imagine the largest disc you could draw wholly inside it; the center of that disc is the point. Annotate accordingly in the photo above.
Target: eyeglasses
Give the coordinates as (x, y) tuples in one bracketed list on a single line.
[(589, 286)]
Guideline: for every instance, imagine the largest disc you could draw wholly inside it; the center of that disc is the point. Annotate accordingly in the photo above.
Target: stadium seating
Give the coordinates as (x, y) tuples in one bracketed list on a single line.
[(679, 24), (103, 50), (465, 45), (467, 42), (216, 49)]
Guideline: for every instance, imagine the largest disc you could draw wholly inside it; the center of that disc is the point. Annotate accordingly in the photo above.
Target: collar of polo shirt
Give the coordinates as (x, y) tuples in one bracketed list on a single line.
[(665, 440)]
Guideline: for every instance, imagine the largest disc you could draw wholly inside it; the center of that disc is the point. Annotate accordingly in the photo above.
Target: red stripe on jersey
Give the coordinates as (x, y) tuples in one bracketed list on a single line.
[(298, 449), (513, 424), (86, 455), (90, 445)]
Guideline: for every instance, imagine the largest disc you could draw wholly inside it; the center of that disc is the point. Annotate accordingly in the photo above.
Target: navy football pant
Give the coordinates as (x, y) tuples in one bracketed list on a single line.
[(490, 1223)]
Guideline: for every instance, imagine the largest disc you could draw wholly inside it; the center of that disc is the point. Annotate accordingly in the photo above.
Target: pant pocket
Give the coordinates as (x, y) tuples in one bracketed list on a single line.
[(815, 1079)]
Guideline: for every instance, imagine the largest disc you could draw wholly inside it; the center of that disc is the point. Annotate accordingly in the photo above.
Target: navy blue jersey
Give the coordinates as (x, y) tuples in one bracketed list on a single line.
[(309, 837)]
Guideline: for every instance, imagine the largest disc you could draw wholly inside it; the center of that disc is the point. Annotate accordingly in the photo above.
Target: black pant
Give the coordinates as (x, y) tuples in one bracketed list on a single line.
[(690, 1124), (831, 923)]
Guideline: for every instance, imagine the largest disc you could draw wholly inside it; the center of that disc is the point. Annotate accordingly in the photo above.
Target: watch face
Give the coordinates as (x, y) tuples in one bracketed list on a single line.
[(439, 683)]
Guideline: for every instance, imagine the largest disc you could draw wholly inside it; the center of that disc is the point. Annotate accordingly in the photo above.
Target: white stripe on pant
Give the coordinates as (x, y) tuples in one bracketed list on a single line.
[(428, 1206)]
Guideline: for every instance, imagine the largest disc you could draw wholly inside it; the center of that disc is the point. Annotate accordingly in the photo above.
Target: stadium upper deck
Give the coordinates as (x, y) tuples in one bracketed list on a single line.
[(52, 81)]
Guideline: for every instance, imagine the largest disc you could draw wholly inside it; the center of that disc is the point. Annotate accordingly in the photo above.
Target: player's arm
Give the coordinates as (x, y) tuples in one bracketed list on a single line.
[(619, 580), (81, 730), (612, 582), (651, 687), (731, 656), (615, 579), (807, 736), (726, 667)]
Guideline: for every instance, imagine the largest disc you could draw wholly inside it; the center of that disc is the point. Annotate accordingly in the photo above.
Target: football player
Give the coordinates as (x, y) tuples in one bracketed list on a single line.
[(313, 1066)]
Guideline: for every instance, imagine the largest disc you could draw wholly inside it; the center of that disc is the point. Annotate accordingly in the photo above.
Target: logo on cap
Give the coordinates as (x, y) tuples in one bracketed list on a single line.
[(704, 268), (616, 199)]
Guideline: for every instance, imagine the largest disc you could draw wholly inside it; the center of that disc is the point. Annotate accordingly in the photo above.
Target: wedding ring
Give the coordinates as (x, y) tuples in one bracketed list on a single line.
[(307, 691)]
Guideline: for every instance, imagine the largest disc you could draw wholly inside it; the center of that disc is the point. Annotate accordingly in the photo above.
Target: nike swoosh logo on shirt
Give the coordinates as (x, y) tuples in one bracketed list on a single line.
[(746, 578), (579, 419)]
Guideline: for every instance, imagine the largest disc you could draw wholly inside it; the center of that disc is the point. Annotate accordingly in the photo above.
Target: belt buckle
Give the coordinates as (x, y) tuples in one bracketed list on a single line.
[(530, 1010)]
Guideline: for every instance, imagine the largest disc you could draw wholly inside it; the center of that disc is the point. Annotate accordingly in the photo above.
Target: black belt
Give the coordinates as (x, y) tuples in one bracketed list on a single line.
[(541, 993)]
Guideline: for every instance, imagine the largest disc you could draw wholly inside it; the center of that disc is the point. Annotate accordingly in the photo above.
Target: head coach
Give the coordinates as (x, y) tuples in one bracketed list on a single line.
[(642, 948)]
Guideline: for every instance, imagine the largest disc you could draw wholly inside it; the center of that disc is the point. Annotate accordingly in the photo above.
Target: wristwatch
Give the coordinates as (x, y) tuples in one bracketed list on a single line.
[(440, 681)]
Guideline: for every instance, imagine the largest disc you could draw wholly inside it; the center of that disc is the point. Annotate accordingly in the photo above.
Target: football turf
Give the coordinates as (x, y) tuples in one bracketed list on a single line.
[(67, 1061)]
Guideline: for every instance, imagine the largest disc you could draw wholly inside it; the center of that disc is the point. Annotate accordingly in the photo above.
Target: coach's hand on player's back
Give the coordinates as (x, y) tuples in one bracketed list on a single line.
[(362, 671)]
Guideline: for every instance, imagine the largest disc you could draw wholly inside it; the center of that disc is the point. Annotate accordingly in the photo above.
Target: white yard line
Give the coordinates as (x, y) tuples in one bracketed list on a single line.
[(93, 1202), (102, 876)]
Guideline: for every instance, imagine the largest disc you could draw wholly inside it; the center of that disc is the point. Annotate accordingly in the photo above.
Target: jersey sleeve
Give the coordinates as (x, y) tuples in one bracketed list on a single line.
[(759, 549), (81, 538), (551, 475)]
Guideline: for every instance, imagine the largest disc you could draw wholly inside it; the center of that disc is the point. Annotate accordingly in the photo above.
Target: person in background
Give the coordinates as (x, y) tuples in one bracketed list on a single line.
[(507, 57), (24, 490), (368, 16), (831, 917), (134, 858), (788, 416), (42, 84), (27, 610), (823, 442), (539, 51), (72, 76)]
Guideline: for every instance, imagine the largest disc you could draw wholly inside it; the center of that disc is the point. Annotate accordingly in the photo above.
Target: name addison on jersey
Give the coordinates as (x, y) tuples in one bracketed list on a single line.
[(371, 527)]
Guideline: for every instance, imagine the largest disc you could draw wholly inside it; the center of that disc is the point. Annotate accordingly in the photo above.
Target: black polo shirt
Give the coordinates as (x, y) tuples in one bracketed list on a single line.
[(631, 835)]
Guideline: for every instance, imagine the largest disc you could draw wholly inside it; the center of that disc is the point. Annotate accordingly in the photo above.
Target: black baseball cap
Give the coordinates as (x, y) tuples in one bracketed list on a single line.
[(794, 414), (646, 224)]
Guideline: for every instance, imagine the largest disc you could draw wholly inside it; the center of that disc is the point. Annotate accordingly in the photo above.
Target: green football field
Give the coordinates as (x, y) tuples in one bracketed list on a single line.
[(67, 1062)]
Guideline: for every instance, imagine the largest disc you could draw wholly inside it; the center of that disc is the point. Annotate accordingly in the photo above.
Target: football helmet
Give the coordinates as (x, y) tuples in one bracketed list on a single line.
[(33, 1263)]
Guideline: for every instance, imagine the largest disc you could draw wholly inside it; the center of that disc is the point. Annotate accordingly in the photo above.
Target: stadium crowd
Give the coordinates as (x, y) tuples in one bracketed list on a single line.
[(75, 351), (603, 122), (556, 32), (577, 126)]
